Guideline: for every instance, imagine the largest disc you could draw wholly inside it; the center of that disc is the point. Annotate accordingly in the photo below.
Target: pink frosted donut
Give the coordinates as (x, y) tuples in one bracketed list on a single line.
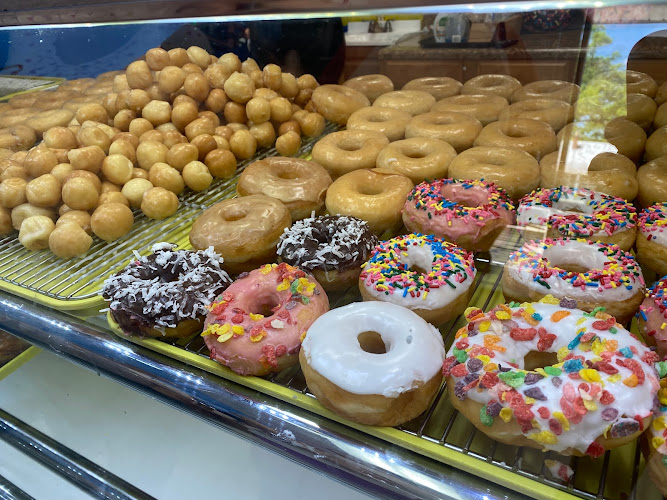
[(256, 326), (469, 213), (652, 317)]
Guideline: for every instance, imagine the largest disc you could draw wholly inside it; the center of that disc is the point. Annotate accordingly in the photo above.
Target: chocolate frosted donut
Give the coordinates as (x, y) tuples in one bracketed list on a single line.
[(166, 294), (331, 247)]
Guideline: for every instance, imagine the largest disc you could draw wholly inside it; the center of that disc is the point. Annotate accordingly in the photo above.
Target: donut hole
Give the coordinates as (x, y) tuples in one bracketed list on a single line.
[(232, 216), (287, 175), (378, 118), (370, 190), (264, 305), (419, 269), (516, 133), (537, 359), (414, 154), (372, 342), (348, 145), (470, 198), (571, 267), (443, 120)]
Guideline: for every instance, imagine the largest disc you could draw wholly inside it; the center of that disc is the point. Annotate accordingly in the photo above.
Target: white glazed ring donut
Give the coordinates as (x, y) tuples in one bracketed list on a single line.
[(370, 387)]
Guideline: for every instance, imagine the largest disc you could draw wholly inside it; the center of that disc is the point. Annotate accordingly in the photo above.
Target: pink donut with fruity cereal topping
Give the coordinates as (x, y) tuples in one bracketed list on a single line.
[(552, 377), (256, 326), (469, 213), (652, 238), (579, 213)]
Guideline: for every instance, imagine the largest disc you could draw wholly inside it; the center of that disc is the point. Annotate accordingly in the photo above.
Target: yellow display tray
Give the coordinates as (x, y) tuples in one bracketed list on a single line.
[(13, 365), (440, 433)]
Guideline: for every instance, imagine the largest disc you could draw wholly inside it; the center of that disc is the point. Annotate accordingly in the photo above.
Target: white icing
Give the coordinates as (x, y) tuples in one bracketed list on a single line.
[(629, 401), (415, 349)]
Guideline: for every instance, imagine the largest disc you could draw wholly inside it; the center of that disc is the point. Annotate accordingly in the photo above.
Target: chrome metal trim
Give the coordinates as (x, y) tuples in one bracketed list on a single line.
[(336, 450), (65, 462), (9, 491)]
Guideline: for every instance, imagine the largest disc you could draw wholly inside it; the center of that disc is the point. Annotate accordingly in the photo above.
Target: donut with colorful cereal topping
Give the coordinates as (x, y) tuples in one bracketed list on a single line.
[(373, 362), (652, 238), (655, 438), (331, 247), (593, 274), (469, 213), (429, 276), (579, 213), (652, 317), (552, 377), (256, 326), (165, 294)]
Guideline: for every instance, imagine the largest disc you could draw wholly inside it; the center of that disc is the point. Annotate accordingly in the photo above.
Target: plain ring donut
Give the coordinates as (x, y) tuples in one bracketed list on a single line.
[(486, 108), (414, 102), (337, 102), (640, 83), (552, 111), (372, 86), (419, 158), (387, 121), (348, 150), (628, 137), (457, 129), (438, 86), (374, 381), (500, 85), (549, 89), (533, 136), (652, 180)]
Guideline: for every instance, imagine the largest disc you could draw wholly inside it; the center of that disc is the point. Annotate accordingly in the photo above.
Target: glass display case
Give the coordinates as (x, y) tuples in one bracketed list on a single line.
[(121, 124)]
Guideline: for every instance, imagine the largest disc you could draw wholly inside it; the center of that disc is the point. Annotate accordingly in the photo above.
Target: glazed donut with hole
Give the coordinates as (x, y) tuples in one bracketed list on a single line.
[(414, 102), (640, 83), (348, 150), (501, 85), (551, 111), (511, 169), (579, 213), (372, 86), (533, 136), (376, 196), (418, 158), (548, 89), (256, 326), (549, 376), (469, 213), (457, 129), (387, 121), (431, 277), (485, 108), (628, 137), (438, 86), (593, 274), (373, 363), (300, 184), (244, 231), (337, 102)]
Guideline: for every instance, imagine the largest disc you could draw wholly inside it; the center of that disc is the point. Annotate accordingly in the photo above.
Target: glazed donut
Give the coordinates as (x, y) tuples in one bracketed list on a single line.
[(608, 173), (548, 89), (457, 129), (41, 122), (593, 274), (652, 239), (438, 86), (637, 82), (337, 102), (628, 137), (469, 213), (652, 316), (533, 136), (418, 158), (165, 294), (372, 86), (652, 180), (579, 213), (244, 231), (387, 121), (660, 118), (300, 184), (374, 381), (552, 111), (271, 309), (597, 395), (654, 440), (431, 277), (656, 144), (348, 150), (375, 195), (511, 169), (332, 248), (660, 96), (486, 108), (641, 109), (414, 102), (501, 85)]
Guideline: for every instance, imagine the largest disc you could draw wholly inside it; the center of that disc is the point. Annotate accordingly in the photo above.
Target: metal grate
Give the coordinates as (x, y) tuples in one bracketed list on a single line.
[(613, 477), (77, 279)]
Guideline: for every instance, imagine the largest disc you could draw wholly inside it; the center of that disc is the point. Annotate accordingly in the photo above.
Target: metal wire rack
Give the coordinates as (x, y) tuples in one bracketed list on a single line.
[(614, 476), (76, 279)]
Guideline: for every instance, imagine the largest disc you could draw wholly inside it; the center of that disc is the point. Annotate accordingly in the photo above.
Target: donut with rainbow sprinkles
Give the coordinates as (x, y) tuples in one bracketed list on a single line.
[(579, 213), (652, 316), (425, 274), (652, 238), (593, 274), (549, 376)]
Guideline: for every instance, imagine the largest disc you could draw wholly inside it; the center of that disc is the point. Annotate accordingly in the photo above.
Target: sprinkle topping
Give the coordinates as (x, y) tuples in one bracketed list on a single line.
[(653, 222)]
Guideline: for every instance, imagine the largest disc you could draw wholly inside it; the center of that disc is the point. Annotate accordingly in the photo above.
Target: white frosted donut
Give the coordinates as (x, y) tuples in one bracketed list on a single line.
[(414, 102), (377, 388), (593, 274), (438, 87), (500, 85), (486, 108), (426, 274)]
